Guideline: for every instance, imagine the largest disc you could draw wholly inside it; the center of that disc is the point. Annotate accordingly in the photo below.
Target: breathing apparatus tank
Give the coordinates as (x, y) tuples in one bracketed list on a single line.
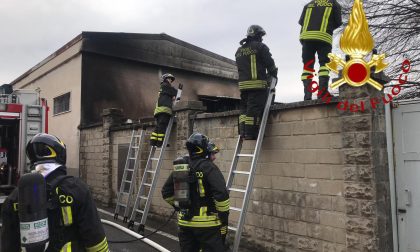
[(182, 179), (32, 210)]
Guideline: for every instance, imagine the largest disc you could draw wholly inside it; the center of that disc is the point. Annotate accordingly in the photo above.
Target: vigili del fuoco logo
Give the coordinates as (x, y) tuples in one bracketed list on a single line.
[(357, 42)]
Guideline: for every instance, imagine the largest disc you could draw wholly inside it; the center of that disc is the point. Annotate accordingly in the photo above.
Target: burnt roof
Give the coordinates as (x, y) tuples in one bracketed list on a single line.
[(158, 49)]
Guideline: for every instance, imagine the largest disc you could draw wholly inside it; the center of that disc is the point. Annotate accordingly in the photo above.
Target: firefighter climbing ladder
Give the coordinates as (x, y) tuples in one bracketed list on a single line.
[(150, 177), (251, 173), (130, 173)]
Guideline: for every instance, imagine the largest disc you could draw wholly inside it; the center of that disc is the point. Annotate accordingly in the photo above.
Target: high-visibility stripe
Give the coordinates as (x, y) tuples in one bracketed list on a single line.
[(316, 35), (163, 109), (306, 20), (223, 230), (201, 188), (170, 200), (199, 221), (325, 18), (242, 118), (67, 215), (203, 211), (253, 67), (252, 84), (249, 120), (66, 247), (222, 206), (100, 247), (323, 71)]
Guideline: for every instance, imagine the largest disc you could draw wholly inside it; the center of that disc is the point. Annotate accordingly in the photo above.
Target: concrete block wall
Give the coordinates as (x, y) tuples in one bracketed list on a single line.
[(320, 182), (91, 161), (297, 201)]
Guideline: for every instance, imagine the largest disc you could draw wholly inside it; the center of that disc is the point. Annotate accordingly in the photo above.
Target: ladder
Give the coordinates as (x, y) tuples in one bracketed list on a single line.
[(249, 174), (150, 177), (130, 173)]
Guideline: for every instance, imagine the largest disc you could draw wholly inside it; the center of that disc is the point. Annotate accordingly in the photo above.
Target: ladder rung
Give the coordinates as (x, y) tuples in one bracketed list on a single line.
[(124, 205), (245, 155), (139, 211), (154, 159), (143, 197), (242, 172), (237, 190), (150, 171), (124, 193), (235, 209), (132, 158), (147, 184), (135, 147), (130, 169), (232, 228), (137, 135), (127, 181)]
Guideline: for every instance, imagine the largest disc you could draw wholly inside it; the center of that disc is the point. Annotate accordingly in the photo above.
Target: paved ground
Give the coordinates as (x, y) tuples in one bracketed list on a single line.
[(116, 236)]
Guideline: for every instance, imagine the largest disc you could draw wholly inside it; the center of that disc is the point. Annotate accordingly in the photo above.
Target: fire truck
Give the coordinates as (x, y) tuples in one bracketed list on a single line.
[(23, 114)]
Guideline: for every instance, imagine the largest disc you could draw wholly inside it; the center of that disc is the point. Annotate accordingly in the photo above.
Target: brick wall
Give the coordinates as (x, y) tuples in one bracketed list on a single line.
[(302, 197)]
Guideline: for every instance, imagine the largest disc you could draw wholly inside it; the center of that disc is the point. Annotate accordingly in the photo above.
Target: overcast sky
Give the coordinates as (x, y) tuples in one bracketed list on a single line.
[(33, 29)]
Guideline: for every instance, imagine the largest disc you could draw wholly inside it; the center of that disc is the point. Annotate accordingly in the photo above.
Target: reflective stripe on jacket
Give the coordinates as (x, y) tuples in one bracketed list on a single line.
[(319, 19)]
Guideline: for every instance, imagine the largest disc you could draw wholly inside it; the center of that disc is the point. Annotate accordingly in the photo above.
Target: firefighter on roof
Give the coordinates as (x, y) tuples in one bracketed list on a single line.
[(163, 110), (318, 20), (255, 63), (197, 189), (73, 221)]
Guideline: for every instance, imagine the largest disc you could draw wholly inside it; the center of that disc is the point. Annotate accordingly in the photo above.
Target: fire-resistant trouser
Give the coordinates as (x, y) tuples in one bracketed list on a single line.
[(309, 48), (252, 107), (208, 239), (158, 135)]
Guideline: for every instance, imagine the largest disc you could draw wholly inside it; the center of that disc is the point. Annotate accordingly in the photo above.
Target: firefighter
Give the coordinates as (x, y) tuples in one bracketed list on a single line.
[(163, 110), (73, 221), (255, 63), (212, 150), (318, 20), (203, 211)]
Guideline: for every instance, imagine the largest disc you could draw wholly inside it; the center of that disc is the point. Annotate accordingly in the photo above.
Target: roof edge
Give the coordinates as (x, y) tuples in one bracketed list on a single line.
[(49, 58)]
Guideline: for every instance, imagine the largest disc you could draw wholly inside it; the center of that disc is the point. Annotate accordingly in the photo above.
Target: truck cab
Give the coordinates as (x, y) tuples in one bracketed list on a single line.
[(23, 114)]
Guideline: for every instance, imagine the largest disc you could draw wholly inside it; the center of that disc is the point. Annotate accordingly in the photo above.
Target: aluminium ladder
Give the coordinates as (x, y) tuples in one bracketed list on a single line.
[(130, 173), (251, 173), (150, 177)]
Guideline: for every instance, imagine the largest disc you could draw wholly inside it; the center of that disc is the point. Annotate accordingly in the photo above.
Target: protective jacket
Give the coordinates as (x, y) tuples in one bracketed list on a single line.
[(73, 221), (209, 196), (319, 19), (165, 100), (254, 59)]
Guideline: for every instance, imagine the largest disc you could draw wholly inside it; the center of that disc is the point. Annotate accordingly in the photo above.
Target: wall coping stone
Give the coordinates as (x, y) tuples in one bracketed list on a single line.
[(278, 106)]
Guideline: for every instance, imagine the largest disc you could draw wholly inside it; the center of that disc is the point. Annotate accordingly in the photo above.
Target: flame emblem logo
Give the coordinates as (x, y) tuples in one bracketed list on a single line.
[(356, 41)]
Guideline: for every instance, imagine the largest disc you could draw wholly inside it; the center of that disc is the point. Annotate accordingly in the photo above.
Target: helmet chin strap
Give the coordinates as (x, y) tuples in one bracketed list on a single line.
[(46, 169)]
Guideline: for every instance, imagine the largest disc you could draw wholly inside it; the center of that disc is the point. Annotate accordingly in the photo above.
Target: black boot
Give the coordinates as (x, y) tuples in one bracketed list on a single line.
[(323, 87), (307, 91)]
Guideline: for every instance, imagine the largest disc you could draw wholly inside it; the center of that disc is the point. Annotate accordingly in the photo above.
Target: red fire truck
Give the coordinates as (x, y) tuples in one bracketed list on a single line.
[(23, 114)]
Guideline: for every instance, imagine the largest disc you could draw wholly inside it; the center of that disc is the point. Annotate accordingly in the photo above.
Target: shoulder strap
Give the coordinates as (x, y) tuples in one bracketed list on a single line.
[(193, 168), (55, 182)]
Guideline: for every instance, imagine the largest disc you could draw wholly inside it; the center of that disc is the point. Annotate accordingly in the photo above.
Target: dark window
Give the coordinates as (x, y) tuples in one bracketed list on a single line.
[(62, 103), (219, 103)]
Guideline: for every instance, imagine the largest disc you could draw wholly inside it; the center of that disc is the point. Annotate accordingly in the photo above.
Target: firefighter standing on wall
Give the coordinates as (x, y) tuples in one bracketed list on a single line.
[(74, 224), (163, 110), (254, 63), (204, 206), (318, 20)]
